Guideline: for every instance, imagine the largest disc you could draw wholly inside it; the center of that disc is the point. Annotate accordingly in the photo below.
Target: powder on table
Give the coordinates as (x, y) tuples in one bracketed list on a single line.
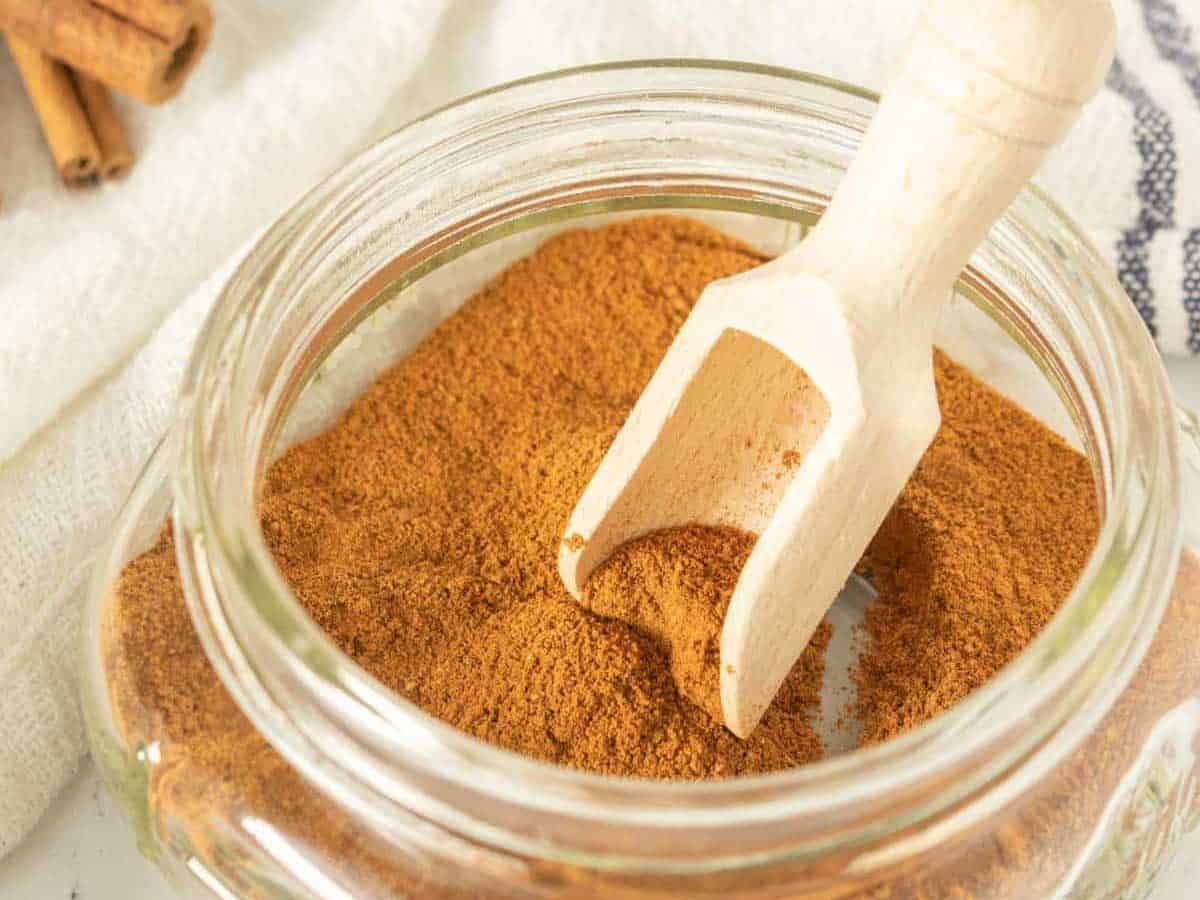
[(421, 533)]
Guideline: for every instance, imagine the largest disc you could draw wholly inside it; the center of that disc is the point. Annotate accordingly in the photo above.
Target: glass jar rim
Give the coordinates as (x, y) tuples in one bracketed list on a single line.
[(233, 543)]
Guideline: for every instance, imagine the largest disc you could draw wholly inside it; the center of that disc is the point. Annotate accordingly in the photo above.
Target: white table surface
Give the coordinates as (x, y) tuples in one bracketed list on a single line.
[(83, 849)]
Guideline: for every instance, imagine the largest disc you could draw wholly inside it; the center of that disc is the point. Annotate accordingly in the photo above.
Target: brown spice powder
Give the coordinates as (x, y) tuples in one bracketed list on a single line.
[(421, 533), (975, 557), (675, 585)]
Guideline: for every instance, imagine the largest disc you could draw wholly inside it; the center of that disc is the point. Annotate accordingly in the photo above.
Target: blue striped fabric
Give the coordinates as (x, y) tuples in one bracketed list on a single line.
[(1191, 287), (1155, 137)]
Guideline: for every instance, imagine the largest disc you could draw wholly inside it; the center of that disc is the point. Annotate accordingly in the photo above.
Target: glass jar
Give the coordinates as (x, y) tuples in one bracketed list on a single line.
[(1071, 773)]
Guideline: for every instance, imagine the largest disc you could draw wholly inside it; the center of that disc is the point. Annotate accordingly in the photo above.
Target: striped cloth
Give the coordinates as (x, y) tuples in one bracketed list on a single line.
[(1149, 223)]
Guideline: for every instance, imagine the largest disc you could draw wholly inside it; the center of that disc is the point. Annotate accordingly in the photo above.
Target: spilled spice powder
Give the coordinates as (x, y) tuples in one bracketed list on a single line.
[(421, 533)]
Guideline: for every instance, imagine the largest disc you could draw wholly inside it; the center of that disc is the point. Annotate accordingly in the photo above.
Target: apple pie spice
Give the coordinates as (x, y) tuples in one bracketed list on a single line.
[(421, 533)]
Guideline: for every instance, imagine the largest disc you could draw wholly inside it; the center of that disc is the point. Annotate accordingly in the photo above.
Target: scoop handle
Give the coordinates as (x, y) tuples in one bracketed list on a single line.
[(984, 89)]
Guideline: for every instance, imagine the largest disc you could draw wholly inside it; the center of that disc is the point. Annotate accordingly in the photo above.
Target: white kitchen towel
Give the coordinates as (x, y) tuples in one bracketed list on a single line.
[(99, 301)]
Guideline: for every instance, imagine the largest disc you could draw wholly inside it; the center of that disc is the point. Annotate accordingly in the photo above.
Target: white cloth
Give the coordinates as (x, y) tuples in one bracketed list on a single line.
[(99, 301)]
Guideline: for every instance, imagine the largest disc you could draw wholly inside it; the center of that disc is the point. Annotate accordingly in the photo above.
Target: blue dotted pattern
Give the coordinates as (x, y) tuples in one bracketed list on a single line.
[(1173, 40), (1154, 137), (1191, 287)]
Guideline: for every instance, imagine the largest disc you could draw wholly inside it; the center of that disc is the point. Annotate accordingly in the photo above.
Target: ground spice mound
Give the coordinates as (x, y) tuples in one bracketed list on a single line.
[(421, 532), (983, 545)]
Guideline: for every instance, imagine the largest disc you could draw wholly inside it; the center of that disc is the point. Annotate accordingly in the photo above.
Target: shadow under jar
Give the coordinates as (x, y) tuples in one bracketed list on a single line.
[(1074, 770)]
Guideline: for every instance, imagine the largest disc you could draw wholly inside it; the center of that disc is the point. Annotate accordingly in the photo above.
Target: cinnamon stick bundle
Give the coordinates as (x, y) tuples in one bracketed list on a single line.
[(143, 48), (76, 114)]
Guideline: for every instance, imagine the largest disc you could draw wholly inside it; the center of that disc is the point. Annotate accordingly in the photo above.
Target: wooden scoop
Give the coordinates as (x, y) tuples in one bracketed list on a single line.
[(798, 397)]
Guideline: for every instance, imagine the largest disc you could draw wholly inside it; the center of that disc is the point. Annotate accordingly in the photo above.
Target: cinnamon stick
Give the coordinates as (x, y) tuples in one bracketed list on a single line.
[(115, 155), (143, 48), (60, 112)]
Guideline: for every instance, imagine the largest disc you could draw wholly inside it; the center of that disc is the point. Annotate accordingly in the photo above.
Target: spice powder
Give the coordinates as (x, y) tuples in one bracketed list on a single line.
[(421, 533)]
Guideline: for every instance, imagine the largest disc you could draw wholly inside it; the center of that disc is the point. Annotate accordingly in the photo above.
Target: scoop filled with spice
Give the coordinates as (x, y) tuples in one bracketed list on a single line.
[(820, 361)]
